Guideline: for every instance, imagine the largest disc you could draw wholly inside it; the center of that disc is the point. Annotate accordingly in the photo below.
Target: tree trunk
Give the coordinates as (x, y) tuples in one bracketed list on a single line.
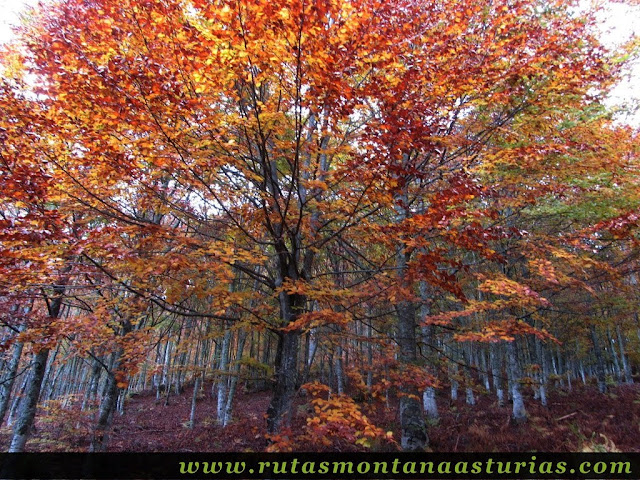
[(543, 373), (109, 402), (235, 370), (194, 399), (614, 355), (485, 370), (429, 403), (339, 371), (623, 356), (286, 370), (496, 372), (107, 406), (29, 404), (414, 430), (9, 377), (468, 379), (519, 412), (223, 376), (94, 381), (453, 374), (369, 358), (17, 400), (600, 370)]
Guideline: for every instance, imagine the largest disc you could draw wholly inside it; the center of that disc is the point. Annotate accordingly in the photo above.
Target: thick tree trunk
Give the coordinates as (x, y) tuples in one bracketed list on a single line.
[(109, 402), (484, 366), (519, 412), (94, 382), (15, 405), (107, 406), (429, 403), (8, 379), (496, 372), (286, 361), (414, 430), (29, 404), (286, 371)]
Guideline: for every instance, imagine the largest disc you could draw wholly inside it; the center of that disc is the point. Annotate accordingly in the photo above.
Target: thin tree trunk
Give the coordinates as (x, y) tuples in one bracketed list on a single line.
[(453, 373), (614, 355), (600, 369), (339, 370), (369, 358), (468, 379), (228, 409), (628, 378), (194, 399), (223, 376), (542, 387)]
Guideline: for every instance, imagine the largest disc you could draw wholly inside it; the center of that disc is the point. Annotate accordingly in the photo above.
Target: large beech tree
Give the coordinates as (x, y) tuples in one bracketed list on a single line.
[(265, 162)]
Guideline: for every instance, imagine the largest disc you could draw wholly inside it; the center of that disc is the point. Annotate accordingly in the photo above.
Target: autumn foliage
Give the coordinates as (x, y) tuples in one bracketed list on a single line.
[(361, 197)]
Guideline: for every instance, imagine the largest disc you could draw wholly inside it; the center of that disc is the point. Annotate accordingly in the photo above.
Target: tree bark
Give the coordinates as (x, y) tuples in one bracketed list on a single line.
[(8, 379), (29, 404), (223, 377), (109, 402), (286, 371), (235, 370), (623, 356), (519, 411), (496, 372), (107, 406), (414, 430), (600, 370), (429, 403)]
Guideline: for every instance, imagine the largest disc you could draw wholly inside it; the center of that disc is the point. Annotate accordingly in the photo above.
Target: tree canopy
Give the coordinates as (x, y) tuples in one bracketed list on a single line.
[(415, 182)]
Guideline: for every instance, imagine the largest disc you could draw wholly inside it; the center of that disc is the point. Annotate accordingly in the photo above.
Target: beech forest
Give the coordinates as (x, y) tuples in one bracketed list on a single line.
[(317, 225)]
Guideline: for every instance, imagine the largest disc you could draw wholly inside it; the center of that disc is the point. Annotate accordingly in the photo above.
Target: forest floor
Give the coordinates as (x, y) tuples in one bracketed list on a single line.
[(580, 420)]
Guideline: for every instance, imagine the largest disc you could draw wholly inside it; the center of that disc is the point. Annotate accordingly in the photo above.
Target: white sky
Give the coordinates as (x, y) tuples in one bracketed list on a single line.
[(9, 15), (620, 22), (617, 25)]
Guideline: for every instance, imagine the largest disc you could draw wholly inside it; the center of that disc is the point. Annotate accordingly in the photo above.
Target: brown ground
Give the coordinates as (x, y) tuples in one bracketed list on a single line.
[(582, 420)]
